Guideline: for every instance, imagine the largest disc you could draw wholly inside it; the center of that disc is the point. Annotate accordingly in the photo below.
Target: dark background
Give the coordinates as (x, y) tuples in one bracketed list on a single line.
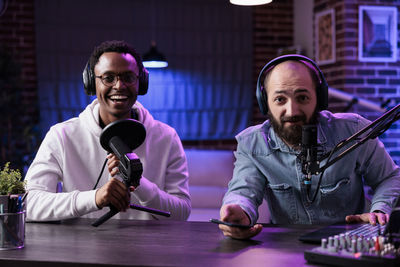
[(40, 40)]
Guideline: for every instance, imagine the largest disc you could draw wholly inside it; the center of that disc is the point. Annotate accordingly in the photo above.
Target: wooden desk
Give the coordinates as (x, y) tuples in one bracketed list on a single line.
[(153, 243)]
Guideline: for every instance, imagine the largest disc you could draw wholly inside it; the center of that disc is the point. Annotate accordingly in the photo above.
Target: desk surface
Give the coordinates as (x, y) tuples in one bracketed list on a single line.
[(153, 243)]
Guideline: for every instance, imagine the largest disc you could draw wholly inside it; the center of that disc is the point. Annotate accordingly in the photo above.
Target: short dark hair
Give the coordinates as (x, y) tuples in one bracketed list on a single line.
[(114, 46)]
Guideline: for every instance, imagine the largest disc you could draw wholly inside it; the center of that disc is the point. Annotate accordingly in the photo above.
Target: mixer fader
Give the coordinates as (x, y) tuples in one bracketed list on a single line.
[(366, 245)]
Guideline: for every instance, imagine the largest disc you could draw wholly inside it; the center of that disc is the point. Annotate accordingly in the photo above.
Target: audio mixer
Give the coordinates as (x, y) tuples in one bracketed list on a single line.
[(366, 245)]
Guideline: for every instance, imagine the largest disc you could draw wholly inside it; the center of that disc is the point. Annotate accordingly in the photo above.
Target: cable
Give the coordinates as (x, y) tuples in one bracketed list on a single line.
[(101, 173), (320, 178), (336, 148)]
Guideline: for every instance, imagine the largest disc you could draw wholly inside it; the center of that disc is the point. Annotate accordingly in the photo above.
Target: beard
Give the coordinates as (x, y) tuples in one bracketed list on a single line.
[(292, 133)]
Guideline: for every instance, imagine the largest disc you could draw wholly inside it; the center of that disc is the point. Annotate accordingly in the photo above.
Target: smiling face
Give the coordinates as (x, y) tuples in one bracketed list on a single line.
[(116, 101), (292, 100)]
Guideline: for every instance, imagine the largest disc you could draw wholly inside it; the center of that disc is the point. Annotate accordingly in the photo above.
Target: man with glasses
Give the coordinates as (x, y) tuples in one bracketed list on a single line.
[(71, 152)]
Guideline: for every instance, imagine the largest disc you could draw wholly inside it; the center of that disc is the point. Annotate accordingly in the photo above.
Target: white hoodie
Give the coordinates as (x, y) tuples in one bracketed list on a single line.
[(71, 153)]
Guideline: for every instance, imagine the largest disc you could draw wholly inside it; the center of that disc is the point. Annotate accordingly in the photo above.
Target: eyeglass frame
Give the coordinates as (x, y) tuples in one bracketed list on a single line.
[(117, 77)]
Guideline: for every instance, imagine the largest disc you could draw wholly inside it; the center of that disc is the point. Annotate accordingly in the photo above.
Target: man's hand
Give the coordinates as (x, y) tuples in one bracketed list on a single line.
[(372, 218), (112, 166), (113, 192), (235, 214)]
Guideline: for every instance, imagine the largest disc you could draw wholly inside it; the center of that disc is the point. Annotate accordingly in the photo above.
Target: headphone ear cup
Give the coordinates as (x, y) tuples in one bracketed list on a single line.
[(143, 82), (262, 99), (261, 95), (88, 80), (323, 95)]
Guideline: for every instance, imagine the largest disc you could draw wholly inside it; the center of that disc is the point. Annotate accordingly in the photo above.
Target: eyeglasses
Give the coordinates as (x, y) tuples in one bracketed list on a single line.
[(111, 79)]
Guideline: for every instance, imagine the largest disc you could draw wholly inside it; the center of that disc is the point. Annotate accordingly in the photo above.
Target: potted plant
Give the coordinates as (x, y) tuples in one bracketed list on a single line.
[(11, 183)]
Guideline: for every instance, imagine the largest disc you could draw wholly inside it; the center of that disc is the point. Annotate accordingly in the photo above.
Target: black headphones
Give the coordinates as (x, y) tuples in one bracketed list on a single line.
[(321, 89), (89, 83)]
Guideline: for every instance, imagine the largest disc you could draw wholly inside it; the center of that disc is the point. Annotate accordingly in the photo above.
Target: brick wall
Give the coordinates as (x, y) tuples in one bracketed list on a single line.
[(273, 29), (18, 84), (374, 81)]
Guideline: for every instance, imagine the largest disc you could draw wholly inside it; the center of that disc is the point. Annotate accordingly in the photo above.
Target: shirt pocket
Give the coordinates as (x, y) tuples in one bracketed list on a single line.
[(282, 203), (334, 198), (332, 188)]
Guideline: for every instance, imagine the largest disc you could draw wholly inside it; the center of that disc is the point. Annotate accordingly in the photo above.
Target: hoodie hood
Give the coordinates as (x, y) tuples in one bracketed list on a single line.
[(90, 117)]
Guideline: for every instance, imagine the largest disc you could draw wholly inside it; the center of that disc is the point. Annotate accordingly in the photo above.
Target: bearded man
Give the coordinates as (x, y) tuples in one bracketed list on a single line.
[(294, 93)]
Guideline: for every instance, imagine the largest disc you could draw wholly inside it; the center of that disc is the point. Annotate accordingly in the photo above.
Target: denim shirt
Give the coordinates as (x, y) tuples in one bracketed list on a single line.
[(267, 168)]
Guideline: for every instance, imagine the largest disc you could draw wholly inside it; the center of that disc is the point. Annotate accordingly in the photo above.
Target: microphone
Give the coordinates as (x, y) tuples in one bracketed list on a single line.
[(309, 153), (121, 137)]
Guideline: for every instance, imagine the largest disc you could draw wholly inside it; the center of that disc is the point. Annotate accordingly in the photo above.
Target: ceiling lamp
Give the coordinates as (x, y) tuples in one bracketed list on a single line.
[(153, 58), (250, 2)]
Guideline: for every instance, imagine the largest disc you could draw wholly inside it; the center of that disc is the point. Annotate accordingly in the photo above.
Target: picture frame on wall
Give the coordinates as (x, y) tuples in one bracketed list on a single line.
[(377, 34), (325, 37)]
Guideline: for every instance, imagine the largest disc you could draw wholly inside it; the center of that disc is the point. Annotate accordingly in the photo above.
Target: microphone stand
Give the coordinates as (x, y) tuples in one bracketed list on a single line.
[(377, 127), (131, 170), (129, 167)]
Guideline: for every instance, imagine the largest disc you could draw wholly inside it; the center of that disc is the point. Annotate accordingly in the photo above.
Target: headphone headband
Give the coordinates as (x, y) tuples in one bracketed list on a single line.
[(321, 89)]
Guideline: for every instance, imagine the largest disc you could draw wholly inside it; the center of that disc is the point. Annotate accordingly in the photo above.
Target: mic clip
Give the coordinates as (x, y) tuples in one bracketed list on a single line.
[(309, 167), (131, 169)]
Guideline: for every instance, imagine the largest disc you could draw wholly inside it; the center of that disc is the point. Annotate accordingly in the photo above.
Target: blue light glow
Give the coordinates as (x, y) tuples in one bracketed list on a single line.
[(155, 64)]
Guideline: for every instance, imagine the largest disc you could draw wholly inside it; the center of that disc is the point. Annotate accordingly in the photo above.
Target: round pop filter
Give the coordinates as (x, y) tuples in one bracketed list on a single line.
[(131, 132)]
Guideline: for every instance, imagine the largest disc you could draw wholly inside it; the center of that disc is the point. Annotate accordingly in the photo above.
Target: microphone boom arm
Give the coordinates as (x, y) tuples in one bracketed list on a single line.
[(379, 126)]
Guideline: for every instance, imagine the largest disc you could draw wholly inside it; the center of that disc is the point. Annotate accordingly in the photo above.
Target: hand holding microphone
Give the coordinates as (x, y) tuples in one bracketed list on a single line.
[(120, 138), (113, 193), (113, 169)]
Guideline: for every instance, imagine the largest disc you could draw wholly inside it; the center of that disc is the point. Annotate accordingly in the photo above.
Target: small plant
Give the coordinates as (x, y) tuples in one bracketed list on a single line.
[(11, 181)]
